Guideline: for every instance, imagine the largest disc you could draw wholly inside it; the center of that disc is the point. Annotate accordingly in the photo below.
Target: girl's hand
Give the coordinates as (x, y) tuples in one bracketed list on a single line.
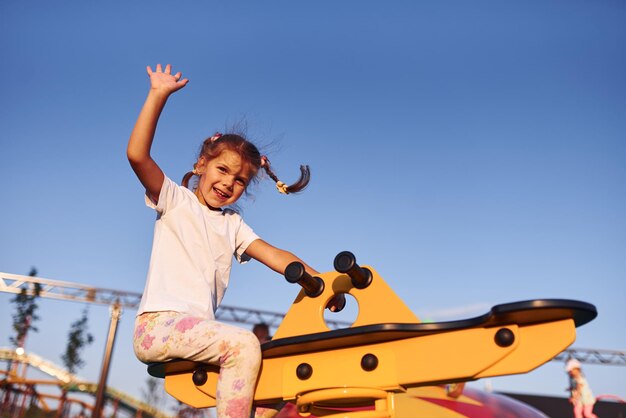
[(164, 81), (336, 303)]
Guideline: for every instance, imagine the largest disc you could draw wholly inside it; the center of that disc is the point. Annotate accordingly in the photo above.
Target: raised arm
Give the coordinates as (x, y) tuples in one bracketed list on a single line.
[(162, 84)]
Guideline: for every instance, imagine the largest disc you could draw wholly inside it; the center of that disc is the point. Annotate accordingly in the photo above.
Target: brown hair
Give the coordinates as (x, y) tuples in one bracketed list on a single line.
[(249, 153)]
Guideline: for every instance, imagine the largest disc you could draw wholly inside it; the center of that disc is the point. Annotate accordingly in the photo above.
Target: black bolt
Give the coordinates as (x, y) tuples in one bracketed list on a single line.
[(304, 371), (199, 377), (369, 362), (504, 337)]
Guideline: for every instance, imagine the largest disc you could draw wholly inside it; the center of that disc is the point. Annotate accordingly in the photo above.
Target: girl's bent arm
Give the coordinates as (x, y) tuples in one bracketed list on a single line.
[(278, 260), (273, 257)]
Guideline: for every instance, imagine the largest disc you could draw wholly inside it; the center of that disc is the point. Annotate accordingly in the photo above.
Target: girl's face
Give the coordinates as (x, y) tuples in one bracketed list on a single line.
[(223, 179)]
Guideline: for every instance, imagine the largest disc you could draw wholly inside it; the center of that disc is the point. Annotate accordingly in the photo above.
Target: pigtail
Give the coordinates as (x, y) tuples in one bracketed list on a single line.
[(185, 181), (303, 181), (204, 150), (186, 178)]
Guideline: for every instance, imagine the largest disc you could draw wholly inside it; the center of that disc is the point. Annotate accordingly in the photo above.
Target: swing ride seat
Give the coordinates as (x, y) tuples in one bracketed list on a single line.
[(386, 351)]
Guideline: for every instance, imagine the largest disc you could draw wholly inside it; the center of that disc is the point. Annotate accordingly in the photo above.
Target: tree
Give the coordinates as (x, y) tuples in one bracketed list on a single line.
[(78, 338), (25, 316), (23, 320)]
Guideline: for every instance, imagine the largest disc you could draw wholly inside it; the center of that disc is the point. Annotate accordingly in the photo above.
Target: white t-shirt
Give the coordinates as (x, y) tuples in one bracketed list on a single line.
[(192, 253)]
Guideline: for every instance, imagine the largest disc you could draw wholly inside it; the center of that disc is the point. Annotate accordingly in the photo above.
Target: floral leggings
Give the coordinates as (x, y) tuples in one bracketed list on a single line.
[(163, 336)]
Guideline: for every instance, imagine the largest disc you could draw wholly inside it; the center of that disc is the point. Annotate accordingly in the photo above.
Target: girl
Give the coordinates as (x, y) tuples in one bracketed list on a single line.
[(195, 238), (581, 396)]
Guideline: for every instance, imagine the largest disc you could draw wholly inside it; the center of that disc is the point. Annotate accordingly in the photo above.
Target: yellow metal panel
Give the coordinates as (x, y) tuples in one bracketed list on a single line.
[(538, 344), (460, 354), (340, 368), (181, 387), (409, 407), (210, 387), (438, 392), (306, 315)]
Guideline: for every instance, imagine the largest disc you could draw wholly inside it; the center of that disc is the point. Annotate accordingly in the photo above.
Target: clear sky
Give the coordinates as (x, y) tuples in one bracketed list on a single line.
[(473, 153)]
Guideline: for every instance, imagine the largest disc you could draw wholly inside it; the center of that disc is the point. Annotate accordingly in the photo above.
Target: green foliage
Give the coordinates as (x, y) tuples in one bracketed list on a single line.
[(78, 338), (25, 316)]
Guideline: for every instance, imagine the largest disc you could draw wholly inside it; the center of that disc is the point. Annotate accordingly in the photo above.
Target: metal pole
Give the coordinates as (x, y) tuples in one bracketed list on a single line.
[(116, 312)]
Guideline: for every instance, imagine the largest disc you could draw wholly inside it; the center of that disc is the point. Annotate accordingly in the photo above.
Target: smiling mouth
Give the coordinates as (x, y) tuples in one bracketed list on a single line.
[(221, 194)]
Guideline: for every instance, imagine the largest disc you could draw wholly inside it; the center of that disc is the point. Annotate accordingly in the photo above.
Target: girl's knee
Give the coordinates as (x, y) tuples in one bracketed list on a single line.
[(253, 347), (244, 347)]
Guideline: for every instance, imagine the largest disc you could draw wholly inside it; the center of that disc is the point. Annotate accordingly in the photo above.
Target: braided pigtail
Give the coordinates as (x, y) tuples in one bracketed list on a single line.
[(188, 176), (303, 181)]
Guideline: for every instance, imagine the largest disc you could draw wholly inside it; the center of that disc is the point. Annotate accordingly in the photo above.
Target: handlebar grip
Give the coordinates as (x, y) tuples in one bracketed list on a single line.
[(345, 262), (296, 273)]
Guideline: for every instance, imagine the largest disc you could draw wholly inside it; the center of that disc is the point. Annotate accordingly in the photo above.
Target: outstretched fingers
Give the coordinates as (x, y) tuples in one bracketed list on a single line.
[(159, 69), (179, 80), (164, 79), (182, 83)]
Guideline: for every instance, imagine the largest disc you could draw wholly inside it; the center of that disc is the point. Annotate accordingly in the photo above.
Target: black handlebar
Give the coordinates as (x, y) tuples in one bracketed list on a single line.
[(345, 262), (296, 273)]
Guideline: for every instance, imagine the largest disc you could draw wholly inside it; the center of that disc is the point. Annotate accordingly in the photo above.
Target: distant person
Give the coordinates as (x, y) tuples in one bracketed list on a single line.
[(581, 396), (196, 237), (262, 332), (455, 390)]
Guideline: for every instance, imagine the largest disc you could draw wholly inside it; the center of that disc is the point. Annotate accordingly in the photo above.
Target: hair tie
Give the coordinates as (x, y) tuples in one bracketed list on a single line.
[(215, 137), (264, 161), (282, 187)]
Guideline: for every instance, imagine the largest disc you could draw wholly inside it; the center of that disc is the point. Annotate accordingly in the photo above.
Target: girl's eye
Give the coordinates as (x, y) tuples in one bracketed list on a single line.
[(221, 169), (241, 182)]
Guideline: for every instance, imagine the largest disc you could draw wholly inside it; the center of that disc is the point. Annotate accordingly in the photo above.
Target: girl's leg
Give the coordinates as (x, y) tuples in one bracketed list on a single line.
[(588, 411), (161, 336), (266, 411), (240, 361), (578, 410)]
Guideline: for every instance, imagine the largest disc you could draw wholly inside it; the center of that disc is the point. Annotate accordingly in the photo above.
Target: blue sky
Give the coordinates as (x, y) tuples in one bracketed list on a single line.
[(473, 153)]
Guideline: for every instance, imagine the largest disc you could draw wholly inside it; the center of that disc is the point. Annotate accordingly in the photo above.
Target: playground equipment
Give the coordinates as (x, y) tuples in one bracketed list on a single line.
[(386, 352)]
